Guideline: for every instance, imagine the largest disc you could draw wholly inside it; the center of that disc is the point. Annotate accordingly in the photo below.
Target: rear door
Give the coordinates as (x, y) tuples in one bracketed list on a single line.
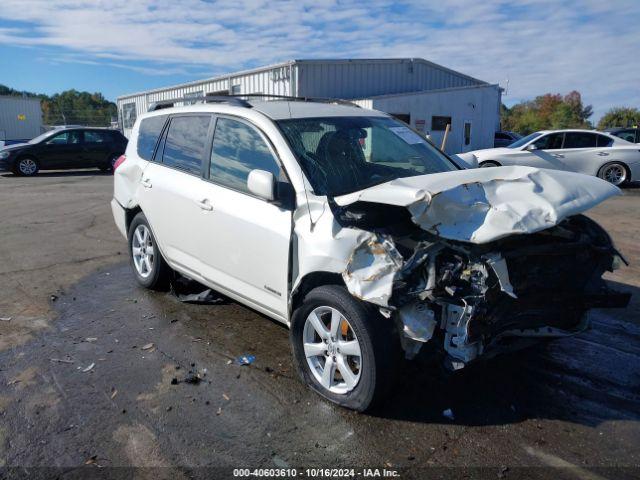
[(580, 150), (245, 240), (172, 190), (97, 146)]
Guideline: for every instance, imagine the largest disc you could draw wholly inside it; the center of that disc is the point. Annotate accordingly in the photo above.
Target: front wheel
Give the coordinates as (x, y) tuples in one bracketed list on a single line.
[(150, 269), (26, 167), (343, 349)]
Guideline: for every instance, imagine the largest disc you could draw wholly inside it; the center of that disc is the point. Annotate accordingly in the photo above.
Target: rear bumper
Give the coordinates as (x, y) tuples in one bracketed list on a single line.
[(119, 216)]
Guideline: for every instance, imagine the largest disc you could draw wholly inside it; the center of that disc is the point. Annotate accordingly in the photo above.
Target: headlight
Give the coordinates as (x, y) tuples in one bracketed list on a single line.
[(4, 155)]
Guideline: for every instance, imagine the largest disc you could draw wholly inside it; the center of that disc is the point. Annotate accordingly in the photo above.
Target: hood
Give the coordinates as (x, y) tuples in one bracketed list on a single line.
[(15, 146), (483, 205)]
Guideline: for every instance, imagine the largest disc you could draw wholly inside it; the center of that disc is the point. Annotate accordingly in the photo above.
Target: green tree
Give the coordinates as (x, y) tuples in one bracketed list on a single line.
[(549, 111), (71, 107), (620, 117)]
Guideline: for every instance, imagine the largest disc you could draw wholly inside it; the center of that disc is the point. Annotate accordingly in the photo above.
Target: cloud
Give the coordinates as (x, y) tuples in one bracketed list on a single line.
[(538, 45)]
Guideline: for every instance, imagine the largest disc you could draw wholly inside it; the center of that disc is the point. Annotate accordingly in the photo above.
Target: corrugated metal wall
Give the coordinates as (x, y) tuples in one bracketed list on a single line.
[(347, 79), (20, 118)]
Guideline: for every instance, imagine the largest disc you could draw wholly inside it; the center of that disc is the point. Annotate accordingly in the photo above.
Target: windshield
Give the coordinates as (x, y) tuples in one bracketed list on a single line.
[(524, 140), (41, 137), (341, 155)]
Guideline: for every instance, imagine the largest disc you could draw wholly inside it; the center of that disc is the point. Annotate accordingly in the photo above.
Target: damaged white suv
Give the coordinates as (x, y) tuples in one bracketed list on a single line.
[(365, 239)]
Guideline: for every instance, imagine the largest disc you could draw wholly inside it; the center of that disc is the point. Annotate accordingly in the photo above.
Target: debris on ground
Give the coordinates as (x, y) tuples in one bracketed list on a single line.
[(190, 291), (174, 381), (53, 297), (245, 359), (193, 379), (5, 319), (148, 346), (114, 392), (91, 460), (226, 397), (448, 413), (91, 339), (60, 360), (503, 471), (219, 411), (90, 367)]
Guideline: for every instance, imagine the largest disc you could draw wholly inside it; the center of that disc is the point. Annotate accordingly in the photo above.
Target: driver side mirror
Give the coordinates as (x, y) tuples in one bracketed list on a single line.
[(531, 147), (262, 184)]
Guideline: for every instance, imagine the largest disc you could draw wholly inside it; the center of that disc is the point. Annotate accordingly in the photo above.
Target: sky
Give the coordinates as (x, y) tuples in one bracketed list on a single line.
[(529, 47)]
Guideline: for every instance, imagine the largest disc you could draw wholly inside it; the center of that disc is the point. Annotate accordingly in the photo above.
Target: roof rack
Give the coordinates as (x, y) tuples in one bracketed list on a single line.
[(238, 100)]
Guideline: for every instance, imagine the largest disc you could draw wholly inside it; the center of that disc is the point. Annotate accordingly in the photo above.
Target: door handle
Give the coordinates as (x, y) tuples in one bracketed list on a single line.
[(205, 205), (146, 183)]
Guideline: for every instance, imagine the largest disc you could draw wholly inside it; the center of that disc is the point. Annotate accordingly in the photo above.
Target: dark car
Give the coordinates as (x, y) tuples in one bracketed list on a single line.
[(630, 134), (66, 148), (504, 138)]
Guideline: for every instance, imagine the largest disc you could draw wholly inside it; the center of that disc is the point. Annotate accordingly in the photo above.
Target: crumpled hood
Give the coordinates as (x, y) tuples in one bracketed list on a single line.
[(483, 205)]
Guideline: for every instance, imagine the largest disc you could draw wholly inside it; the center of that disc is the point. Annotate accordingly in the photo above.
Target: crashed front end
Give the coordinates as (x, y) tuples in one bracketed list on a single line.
[(473, 297)]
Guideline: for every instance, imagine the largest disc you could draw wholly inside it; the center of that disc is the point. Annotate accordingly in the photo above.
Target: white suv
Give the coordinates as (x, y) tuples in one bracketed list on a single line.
[(360, 235)]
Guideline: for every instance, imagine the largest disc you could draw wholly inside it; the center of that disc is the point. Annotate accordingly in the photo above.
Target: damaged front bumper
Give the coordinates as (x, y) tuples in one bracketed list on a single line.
[(478, 300)]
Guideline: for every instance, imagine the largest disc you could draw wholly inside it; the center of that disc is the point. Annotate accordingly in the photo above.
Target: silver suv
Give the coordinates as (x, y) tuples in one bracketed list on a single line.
[(360, 235)]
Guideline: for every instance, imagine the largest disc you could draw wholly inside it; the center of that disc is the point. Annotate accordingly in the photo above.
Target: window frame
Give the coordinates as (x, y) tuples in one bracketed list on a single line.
[(163, 141), (282, 178)]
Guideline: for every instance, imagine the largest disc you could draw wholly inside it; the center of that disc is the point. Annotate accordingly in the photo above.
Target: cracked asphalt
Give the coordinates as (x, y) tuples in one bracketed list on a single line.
[(93, 370)]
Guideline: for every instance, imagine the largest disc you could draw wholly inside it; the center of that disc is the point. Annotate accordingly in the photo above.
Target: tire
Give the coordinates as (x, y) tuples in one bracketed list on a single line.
[(616, 173), (372, 372), (489, 163), (150, 269), (26, 167)]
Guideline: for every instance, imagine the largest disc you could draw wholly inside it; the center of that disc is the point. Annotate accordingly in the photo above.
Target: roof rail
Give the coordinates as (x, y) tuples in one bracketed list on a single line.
[(231, 100), (239, 100)]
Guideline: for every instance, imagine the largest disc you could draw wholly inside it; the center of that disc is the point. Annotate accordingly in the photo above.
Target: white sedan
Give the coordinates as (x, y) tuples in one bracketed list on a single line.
[(584, 151)]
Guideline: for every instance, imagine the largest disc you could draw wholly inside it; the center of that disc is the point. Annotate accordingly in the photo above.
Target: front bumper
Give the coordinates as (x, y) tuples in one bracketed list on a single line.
[(119, 216)]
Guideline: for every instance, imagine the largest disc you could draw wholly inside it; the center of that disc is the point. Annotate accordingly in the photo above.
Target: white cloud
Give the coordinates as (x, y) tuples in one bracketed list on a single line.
[(539, 45)]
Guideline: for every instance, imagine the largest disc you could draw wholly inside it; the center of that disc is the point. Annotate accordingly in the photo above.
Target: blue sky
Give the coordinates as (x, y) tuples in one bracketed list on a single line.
[(120, 46)]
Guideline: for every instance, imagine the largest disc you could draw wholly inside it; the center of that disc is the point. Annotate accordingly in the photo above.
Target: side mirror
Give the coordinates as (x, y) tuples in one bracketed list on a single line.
[(531, 147), (262, 184)]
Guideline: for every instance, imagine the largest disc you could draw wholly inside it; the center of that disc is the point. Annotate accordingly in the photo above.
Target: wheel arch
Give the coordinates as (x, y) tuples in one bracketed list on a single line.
[(129, 215), (489, 161), (311, 281)]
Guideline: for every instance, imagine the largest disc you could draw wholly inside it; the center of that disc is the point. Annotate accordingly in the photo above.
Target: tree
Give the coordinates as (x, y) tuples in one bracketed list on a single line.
[(620, 117), (549, 111), (71, 107)]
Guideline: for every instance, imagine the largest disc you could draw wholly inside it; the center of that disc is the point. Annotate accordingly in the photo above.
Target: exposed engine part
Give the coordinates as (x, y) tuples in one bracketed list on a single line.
[(418, 324)]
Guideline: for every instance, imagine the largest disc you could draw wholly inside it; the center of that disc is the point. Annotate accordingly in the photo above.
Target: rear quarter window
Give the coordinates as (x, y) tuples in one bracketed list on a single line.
[(148, 134)]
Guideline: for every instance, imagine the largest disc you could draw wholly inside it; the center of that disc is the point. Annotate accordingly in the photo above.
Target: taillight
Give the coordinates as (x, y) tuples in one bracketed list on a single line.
[(119, 162)]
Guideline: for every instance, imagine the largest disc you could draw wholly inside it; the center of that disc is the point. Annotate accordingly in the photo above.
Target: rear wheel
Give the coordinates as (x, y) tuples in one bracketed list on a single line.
[(615, 173), (150, 269), (26, 167), (343, 349)]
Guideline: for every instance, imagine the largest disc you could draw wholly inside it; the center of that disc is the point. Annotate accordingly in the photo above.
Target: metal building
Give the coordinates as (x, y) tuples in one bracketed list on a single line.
[(20, 119), (419, 92)]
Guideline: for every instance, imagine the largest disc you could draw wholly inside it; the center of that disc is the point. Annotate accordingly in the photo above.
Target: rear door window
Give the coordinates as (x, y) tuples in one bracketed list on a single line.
[(579, 140), (186, 143), (148, 134), (93, 136), (604, 141), (237, 149)]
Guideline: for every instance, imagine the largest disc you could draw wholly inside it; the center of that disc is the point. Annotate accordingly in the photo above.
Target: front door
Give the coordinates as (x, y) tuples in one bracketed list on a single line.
[(63, 150), (245, 240)]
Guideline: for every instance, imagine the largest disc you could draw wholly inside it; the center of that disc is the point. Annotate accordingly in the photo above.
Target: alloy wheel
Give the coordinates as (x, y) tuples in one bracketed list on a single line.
[(143, 251), (615, 174), (332, 350), (27, 166)]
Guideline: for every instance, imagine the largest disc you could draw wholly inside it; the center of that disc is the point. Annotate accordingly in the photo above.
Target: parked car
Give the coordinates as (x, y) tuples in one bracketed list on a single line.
[(631, 134), (583, 151), (360, 235), (64, 148), (505, 138)]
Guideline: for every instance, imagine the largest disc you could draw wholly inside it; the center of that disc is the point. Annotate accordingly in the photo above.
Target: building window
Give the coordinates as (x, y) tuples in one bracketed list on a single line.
[(191, 98), (236, 89), (439, 124), (128, 115), (403, 117)]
